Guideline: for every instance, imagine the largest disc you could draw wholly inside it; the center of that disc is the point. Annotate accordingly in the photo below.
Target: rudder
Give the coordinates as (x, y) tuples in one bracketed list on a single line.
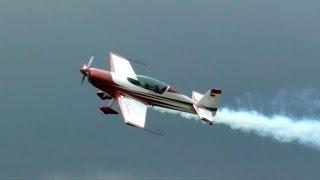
[(207, 104)]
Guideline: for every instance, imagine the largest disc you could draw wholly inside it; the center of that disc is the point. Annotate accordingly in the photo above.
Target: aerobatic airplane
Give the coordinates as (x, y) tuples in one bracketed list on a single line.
[(134, 93)]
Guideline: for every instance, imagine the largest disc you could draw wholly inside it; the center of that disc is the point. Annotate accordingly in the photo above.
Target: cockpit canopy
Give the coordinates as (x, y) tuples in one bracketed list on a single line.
[(149, 83)]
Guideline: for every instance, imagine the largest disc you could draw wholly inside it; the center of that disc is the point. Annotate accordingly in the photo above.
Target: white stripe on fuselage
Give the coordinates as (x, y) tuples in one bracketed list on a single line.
[(167, 99)]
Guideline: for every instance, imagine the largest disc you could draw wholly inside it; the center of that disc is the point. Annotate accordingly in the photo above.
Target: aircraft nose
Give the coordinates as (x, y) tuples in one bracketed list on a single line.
[(85, 72), (100, 79)]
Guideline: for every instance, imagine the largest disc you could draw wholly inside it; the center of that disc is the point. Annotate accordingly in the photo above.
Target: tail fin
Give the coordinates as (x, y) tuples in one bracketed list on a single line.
[(207, 104)]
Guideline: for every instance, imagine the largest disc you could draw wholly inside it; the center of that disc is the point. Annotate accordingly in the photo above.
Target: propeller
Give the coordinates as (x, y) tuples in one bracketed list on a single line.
[(86, 66), (85, 69), (83, 77)]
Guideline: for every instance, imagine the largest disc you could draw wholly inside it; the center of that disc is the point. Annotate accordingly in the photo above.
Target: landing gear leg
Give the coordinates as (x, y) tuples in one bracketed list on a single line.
[(108, 109), (110, 104)]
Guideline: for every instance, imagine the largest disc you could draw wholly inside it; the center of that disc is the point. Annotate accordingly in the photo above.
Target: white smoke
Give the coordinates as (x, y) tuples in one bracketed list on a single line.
[(281, 128)]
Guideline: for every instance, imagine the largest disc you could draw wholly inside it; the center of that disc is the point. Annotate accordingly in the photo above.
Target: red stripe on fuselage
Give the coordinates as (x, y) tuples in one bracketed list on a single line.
[(103, 80), (158, 100)]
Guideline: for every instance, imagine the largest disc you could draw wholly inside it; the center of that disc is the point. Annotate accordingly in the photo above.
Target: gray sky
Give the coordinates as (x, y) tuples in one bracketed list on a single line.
[(256, 51)]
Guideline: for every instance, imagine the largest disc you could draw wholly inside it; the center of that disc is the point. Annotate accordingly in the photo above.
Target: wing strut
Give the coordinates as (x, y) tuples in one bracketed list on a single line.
[(153, 132), (147, 130), (137, 62)]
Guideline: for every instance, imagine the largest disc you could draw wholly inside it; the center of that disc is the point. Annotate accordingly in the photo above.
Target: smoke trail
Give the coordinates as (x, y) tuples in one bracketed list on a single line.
[(280, 128)]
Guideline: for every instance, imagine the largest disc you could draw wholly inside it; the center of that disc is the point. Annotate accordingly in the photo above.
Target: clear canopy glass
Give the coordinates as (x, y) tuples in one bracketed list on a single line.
[(149, 83)]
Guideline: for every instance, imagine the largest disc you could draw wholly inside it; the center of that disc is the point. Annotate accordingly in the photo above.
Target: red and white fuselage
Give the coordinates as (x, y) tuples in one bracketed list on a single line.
[(134, 93)]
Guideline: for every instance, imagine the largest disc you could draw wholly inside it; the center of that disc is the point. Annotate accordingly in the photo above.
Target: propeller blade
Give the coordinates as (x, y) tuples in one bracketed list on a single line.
[(85, 67), (90, 61), (83, 77)]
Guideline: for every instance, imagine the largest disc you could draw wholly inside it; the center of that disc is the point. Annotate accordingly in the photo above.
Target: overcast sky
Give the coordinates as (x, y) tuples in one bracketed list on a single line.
[(263, 54)]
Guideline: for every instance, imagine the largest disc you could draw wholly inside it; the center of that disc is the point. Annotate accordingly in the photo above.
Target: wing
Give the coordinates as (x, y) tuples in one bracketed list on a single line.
[(133, 111), (121, 66)]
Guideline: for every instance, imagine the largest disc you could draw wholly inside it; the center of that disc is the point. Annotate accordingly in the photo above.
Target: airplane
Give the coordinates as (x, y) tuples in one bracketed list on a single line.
[(135, 93)]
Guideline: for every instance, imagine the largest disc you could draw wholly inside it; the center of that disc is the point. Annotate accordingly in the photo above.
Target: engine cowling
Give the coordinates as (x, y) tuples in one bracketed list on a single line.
[(103, 95)]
